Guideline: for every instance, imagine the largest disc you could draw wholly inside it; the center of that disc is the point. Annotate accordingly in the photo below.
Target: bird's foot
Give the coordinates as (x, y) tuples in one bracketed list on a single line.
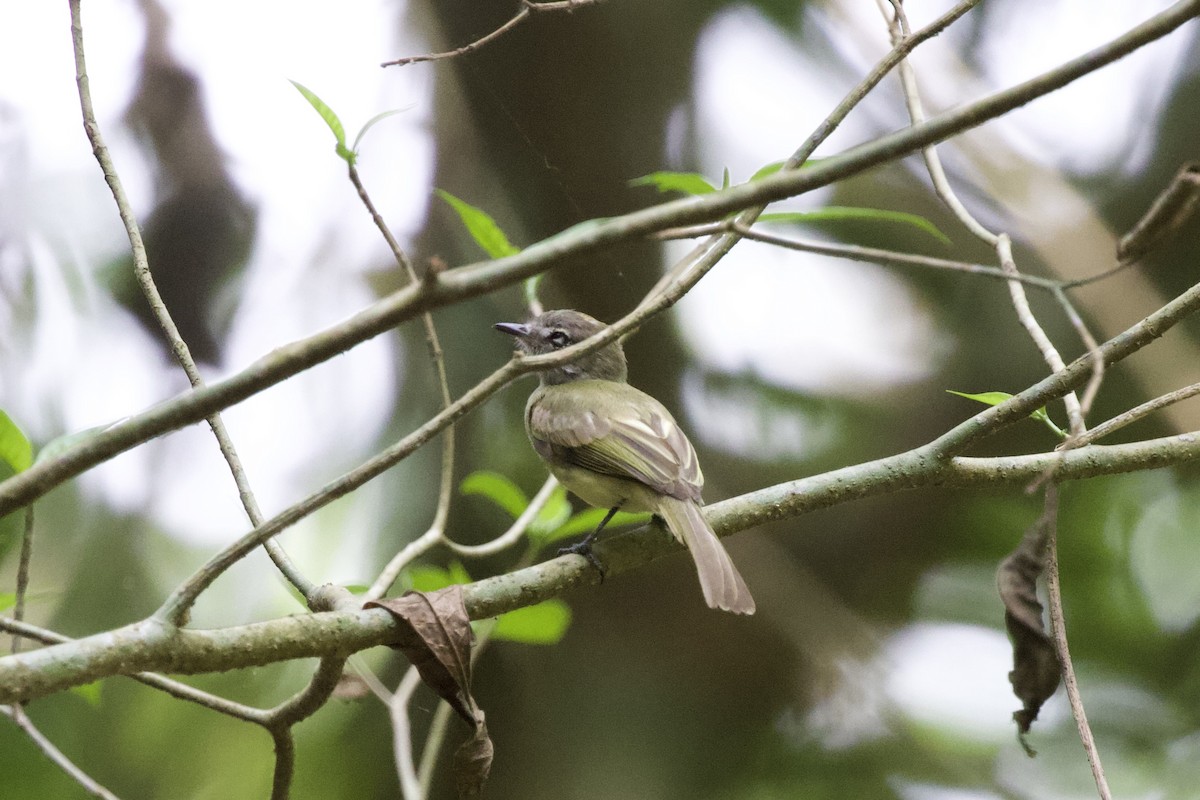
[(584, 548)]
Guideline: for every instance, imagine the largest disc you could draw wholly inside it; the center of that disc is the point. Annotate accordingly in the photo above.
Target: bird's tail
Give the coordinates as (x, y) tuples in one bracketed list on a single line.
[(720, 581)]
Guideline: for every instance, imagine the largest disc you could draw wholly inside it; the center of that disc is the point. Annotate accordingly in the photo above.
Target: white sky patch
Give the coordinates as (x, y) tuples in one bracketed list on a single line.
[(807, 323), (954, 677), (89, 363), (756, 95), (1103, 121)]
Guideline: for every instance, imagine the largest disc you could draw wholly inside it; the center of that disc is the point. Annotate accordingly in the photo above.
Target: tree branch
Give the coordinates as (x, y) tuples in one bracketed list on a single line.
[(148, 645), (473, 280)]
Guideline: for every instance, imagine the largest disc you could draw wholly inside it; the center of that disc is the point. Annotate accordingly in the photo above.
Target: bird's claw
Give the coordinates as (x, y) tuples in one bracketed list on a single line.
[(584, 549)]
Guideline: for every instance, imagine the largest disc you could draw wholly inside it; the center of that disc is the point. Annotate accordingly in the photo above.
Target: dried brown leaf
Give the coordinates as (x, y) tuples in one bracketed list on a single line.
[(473, 761), (1036, 671), (436, 638)]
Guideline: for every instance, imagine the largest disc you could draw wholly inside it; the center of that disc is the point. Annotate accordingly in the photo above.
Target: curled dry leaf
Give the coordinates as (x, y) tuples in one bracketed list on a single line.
[(435, 636), (1036, 671), (473, 761)]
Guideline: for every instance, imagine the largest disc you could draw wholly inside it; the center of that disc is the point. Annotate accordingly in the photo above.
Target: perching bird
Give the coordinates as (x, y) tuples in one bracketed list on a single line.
[(616, 447)]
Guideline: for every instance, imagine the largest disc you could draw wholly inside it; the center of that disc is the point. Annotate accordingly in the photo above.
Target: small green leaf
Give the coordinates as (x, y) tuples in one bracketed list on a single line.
[(497, 488), (382, 115), (458, 573), (996, 398), (769, 169), (7, 600), (544, 623), (15, 447), (842, 213), (90, 692), (483, 228), (553, 515), (987, 398), (61, 444), (331, 119), (686, 182), (725, 179), (587, 520), (426, 578)]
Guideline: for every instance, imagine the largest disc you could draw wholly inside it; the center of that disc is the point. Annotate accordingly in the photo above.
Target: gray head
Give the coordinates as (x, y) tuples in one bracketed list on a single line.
[(554, 330)]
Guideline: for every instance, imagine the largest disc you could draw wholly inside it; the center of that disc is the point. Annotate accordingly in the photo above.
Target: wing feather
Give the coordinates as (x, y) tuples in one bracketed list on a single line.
[(632, 437)]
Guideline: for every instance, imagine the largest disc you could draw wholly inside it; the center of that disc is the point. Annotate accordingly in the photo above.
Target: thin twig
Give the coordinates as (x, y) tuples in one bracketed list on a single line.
[(86, 782), (1058, 630), (437, 527), (1034, 329), (515, 532), (411, 786), (141, 270), (1136, 413), (872, 255), (527, 9), (1093, 349), (23, 566)]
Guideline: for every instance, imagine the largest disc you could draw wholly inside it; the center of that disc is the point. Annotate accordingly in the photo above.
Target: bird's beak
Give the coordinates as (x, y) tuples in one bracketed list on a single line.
[(513, 329)]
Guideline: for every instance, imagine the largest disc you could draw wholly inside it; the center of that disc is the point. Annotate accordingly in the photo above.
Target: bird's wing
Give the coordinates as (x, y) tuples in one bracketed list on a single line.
[(632, 437)]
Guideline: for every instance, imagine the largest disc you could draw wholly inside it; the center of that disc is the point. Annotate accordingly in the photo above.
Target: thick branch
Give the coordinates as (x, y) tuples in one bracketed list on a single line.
[(149, 646)]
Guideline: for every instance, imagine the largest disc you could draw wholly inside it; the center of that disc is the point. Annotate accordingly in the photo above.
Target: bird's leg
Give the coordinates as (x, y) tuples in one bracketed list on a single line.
[(584, 548)]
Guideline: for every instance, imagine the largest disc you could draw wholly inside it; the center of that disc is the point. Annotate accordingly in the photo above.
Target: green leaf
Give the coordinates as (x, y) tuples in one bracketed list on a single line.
[(7, 600), (725, 179), (497, 488), (458, 573), (996, 398), (842, 213), (89, 692), (483, 229), (331, 119), (15, 447), (686, 182), (428, 578), (382, 115), (544, 623), (59, 445), (587, 520), (987, 398), (553, 515), (769, 169)]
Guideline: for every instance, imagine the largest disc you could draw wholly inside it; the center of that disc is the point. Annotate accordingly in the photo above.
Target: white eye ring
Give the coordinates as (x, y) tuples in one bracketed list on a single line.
[(558, 338)]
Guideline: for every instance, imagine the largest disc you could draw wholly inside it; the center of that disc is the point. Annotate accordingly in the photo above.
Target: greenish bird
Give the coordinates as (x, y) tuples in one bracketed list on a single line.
[(616, 447)]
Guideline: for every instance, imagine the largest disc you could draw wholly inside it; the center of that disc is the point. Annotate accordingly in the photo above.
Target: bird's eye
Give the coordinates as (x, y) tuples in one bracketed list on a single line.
[(558, 338)]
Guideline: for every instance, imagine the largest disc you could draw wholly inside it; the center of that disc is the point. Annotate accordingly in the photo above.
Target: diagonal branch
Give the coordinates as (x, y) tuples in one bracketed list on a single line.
[(149, 645), (483, 277)]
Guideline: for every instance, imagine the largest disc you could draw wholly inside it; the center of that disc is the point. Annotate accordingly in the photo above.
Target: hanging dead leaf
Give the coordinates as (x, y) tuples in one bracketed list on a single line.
[(436, 638), (473, 761), (1036, 671)]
